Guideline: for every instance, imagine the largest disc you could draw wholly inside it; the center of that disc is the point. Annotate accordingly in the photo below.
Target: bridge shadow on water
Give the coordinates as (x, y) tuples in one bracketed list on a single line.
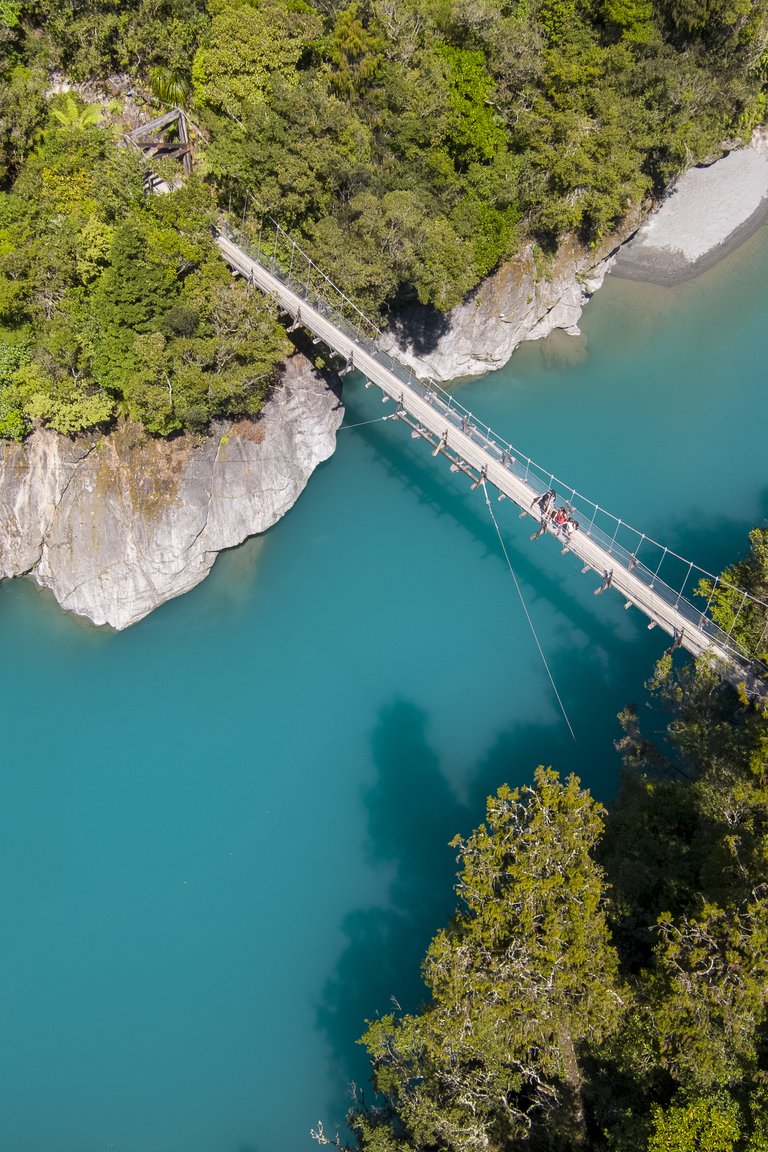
[(431, 484), (711, 539), (413, 809)]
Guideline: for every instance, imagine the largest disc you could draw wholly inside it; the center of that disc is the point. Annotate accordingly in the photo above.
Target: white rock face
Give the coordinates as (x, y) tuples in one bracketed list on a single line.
[(516, 303), (709, 213), (117, 526)]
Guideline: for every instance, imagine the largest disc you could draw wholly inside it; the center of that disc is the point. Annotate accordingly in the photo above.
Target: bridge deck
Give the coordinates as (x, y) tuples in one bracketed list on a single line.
[(444, 426)]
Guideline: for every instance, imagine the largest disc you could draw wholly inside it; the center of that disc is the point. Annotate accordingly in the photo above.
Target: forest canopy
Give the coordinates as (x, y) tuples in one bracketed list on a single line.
[(603, 984), (409, 145)]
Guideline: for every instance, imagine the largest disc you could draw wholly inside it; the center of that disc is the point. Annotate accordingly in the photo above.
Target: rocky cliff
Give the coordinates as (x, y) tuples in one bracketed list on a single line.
[(117, 525), (708, 213), (523, 300)]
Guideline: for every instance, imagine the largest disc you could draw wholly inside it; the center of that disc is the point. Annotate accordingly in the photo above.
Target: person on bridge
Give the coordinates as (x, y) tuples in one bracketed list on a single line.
[(545, 502)]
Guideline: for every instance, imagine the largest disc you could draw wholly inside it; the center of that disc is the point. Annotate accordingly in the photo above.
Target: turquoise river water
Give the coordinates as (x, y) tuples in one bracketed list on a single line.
[(223, 833)]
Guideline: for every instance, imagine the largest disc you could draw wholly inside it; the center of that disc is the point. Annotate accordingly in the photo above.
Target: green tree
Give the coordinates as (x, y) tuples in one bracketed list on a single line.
[(354, 53), (473, 131), (245, 45), (74, 116), (169, 86), (746, 618), (523, 979), (686, 852), (710, 1002), (22, 109), (14, 423), (697, 1125)]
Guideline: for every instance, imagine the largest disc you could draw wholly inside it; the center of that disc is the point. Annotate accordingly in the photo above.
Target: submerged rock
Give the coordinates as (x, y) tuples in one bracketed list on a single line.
[(116, 526)]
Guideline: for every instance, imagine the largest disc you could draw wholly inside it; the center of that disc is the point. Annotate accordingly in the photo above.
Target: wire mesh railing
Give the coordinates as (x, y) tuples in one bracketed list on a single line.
[(672, 578)]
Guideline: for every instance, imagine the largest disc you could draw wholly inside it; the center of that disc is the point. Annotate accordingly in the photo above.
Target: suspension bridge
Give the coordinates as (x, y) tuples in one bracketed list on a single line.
[(647, 575)]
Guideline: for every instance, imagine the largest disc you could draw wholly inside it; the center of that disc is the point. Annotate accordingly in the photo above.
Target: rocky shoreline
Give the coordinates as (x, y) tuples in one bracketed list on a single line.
[(518, 302), (707, 214), (115, 526)]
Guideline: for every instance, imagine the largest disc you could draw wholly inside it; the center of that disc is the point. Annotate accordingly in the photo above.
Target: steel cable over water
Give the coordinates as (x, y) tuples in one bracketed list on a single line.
[(527, 613), (362, 423)]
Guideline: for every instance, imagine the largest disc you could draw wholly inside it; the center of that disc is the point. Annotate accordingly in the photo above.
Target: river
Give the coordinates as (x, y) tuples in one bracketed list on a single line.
[(224, 833)]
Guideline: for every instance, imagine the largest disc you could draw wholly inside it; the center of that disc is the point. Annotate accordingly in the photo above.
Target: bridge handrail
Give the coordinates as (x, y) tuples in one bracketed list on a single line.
[(353, 323)]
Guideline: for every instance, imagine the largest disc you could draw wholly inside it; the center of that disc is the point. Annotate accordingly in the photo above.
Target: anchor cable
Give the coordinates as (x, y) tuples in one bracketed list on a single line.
[(527, 614), (376, 420)]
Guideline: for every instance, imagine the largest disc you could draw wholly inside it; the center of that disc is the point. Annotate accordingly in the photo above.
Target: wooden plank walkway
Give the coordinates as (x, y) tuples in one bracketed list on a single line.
[(484, 460)]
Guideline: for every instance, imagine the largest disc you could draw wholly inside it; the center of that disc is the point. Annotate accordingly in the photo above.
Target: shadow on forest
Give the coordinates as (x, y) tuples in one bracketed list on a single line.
[(419, 327)]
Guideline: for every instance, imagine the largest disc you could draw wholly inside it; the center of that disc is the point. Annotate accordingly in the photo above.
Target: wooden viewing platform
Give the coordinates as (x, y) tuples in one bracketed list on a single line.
[(150, 139), (474, 449)]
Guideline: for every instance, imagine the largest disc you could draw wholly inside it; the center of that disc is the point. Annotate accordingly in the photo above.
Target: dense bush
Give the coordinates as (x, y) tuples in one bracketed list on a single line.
[(411, 145), (112, 301)]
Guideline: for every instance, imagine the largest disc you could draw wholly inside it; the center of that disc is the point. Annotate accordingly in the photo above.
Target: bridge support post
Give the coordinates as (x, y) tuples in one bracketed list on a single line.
[(442, 445), (677, 641), (607, 582)]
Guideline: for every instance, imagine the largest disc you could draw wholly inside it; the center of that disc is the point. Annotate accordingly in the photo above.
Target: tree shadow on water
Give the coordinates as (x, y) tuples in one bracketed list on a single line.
[(412, 813)]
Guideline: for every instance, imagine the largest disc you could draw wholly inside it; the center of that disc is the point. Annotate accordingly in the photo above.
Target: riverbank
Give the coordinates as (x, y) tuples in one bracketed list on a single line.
[(708, 214), (115, 526), (290, 749)]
